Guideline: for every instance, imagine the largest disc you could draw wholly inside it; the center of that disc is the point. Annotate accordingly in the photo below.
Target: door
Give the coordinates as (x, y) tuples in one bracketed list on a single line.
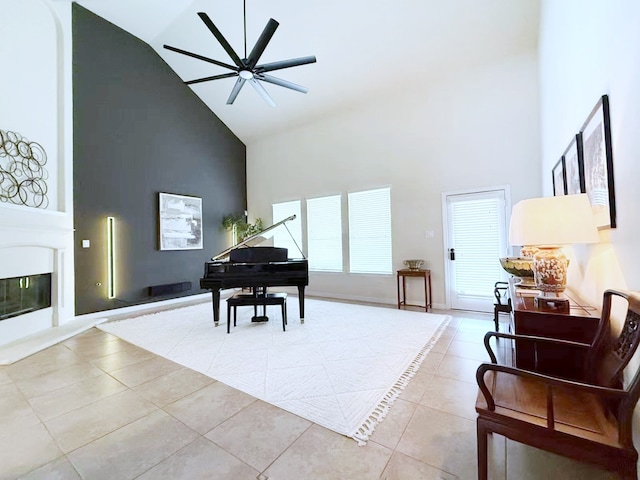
[(475, 223)]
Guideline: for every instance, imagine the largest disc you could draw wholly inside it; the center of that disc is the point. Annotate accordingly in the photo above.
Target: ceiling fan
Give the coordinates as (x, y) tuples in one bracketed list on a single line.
[(247, 68)]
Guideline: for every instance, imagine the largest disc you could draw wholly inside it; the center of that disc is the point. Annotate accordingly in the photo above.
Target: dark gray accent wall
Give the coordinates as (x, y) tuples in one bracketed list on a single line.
[(138, 131)]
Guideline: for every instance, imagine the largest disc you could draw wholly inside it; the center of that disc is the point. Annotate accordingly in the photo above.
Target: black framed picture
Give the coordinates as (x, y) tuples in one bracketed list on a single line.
[(559, 177), (598, 164), (574, 174)]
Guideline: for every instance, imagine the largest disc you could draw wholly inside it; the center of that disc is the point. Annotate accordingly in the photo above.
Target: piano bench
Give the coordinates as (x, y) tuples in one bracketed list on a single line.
[(243, 300)]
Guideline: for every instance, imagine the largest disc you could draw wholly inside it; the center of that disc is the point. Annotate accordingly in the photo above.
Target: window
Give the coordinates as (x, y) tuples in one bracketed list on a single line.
[(281, 237), (370, 231), (324, 233)]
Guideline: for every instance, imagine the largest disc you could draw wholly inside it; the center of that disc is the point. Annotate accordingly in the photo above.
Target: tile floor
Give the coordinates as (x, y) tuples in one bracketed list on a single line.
[(95, 407)]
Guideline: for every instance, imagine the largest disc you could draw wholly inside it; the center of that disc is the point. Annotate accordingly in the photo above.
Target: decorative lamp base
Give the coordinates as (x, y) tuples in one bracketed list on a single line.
[(550, 270)]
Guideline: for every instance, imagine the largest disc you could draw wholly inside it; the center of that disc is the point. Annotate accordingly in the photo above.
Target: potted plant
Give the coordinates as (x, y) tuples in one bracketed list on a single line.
[(240, 228)]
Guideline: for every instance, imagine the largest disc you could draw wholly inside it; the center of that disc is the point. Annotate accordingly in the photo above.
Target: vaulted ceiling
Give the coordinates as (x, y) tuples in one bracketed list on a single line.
[(366, 50)]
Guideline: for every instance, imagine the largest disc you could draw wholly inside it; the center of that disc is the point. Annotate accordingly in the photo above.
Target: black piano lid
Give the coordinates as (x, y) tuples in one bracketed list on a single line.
[(250, 243)]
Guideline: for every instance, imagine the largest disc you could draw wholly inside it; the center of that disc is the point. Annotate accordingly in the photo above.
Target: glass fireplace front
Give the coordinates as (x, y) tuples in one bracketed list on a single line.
[(20, 295)]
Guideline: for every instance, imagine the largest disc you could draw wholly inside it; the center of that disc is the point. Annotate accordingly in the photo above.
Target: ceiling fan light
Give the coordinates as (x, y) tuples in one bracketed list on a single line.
[(245, 74)]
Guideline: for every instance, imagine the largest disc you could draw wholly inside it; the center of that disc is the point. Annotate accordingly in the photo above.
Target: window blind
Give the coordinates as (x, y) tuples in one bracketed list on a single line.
[(324, 233), (370, 231), (476, 246)]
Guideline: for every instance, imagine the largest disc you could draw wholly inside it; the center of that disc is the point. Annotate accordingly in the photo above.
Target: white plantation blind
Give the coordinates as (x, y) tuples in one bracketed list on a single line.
[(281, 237), (370, 231), (324, 233), (476, 244)]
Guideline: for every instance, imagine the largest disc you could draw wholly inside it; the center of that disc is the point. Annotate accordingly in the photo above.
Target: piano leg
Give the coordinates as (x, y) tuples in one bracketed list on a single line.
[(301, 302), (215, 293)]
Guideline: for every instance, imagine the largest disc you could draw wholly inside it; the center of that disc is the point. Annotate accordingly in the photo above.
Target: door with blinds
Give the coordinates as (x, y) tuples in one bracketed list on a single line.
[(476, 239)]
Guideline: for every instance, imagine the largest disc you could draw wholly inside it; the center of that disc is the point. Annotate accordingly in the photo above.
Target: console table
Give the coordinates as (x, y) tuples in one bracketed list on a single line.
[(421, 273), (579, 325)]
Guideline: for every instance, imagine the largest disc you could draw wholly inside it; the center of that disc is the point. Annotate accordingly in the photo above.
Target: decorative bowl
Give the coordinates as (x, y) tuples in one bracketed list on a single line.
[(518, 266), (414, 264)]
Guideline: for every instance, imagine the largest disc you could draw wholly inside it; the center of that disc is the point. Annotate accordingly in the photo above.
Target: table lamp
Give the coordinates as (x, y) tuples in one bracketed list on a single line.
[(548, 223)]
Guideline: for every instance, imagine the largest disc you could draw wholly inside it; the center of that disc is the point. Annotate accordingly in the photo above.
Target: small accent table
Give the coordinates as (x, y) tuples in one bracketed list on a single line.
[(426, 275)]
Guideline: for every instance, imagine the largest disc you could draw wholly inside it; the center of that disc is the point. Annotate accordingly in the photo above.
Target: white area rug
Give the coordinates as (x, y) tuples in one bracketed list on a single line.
[(342, 368)]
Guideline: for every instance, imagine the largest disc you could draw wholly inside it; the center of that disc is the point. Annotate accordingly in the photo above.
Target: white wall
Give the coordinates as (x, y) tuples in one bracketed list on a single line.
[(35, 101), (470, 129), (589, 48)]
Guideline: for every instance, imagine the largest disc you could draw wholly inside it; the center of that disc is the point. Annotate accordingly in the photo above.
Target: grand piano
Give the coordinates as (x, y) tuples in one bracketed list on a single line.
[(254, 266)]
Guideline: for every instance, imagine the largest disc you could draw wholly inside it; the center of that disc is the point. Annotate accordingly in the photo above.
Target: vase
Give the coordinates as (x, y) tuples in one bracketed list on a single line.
[(550, 270)]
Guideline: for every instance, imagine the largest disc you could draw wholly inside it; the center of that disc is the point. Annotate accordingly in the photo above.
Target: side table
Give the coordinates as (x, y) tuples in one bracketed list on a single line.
[(425, 275)]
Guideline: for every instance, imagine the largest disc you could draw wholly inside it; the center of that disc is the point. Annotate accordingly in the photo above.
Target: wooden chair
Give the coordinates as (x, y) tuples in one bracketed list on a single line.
[(589, 420), (500, 292)]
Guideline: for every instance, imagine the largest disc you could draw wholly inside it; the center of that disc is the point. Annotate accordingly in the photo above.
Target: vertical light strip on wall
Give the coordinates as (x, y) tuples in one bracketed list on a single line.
[(111, 266)]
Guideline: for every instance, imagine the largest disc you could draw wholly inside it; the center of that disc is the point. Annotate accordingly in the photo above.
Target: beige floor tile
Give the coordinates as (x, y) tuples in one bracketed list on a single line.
[(133, 449), (447, 442), (25, 449), (4, 376), (454, 322), (401, 467), (141, 372), (173, 386), (528, 463), (60, 469), (123, 358), (52, 358), (208, 407), (469, 350), (66, 399), (96, 346), (55, 379), (442, 345), (474, 330), (451, 396), (391, 428), (417, 385), (259, 433), (86, 424), (321, 454), (431, 362), (15, 410), (458, 368), (201, 460)]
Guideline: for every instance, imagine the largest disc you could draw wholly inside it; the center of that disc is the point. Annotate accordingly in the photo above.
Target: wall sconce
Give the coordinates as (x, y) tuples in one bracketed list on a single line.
[(548, 223), (111, 266)]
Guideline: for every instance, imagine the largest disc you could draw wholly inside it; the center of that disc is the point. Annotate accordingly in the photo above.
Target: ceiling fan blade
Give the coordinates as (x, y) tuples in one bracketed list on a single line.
[(262, 92), (215, 77), (294, 62), (200, 57), (223, 41), (261, 44), (282, 83), (236, 90)]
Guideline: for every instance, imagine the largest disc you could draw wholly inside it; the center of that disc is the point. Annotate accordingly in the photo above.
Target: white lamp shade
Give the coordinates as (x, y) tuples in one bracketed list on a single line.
[(546, 221)]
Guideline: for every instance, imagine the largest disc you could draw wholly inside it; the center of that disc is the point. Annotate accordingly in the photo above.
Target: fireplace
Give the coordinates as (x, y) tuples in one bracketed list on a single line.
[(21, 295)]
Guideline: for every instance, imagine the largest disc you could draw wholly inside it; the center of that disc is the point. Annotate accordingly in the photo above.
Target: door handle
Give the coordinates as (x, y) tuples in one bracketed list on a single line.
[(452, 254)]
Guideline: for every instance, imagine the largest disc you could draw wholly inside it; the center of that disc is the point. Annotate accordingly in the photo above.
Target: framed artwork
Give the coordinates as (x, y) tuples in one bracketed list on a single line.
[(559, 177), (573, 166), (598, 164), (180, 222)]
